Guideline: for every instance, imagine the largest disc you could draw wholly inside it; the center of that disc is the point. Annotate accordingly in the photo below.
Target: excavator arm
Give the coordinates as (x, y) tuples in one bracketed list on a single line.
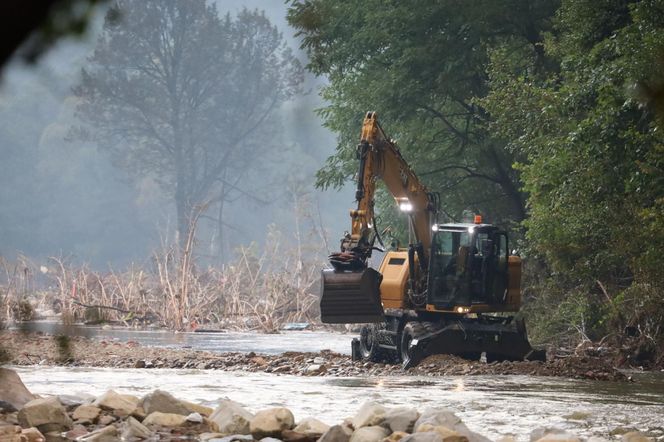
[(350, 292)]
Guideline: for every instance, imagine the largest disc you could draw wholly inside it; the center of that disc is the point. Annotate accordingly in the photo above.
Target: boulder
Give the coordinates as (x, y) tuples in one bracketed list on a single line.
[(32, 435), (10, 433), (165, 419), (196, 408), (430, 436), (444, 417), (372, 433), (294, 436), (231, 418), (46, 414), (122, 403), (369, 414), (86, 413), (76, 432), (445, 433), (163, 402), (635, 436), (271, 422), (336, 433), (12, 390), (311, 427), (401, 419), (395, 436), (105, 434), (133, 429)]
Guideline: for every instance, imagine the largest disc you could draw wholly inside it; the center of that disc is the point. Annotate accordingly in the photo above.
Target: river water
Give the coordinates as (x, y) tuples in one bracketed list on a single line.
[(491, 405)]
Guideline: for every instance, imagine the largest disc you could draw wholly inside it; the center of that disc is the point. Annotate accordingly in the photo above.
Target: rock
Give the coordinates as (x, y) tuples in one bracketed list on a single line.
[(636, 436), (106, 420), (10, 433), (507, 438), (445, 433), (294, 436), (234, 438), (165, 419), (6, 407), (369, 414), (549, 433), (446, 418), (76, 432), (559, 437), (336, 433), (231, 418), (133, 429), (86, 413), (372, 433), (105, 434), (211, 436), (163, 402), (270, 439), (271, 422), (12, 390), (395, 436), (195, 418), (401, 419), (196, 408), (45, 414), (70, 400), (430, 436), (311, 427), (315, 369), (619, 431), (319, 360), (55, 436), (32, 435), (124, 404)]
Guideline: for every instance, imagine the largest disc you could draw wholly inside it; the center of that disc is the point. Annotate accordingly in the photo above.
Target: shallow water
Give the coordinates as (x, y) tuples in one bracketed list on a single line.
[(490, 405), (305, 341)]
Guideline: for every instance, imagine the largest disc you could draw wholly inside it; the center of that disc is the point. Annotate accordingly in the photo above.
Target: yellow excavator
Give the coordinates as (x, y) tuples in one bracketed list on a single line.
[(448, 292)]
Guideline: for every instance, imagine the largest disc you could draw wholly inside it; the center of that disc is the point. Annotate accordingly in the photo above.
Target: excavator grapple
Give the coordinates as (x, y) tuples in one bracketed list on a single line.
[(349, 297)]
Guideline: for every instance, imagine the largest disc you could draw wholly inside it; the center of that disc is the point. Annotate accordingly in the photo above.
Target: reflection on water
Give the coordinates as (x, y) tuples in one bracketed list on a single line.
[(306, 341), (491, 405)]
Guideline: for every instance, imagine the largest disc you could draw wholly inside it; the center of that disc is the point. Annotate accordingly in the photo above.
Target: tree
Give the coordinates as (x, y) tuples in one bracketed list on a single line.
[(422, 65), (176, 92)]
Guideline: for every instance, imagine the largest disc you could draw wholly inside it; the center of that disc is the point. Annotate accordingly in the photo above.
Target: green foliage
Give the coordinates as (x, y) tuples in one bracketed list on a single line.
[(533, 111)]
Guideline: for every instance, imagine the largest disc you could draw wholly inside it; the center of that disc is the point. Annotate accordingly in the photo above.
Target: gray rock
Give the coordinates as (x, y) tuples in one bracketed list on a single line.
[(373, 433), (231, 418), (118, 403), (105, 434), (234, 438), (444, 417), (311, 427), (165, 419), (319, 360), (86, 413), (12, 390), (195, 418), (163, 402), (428, 436), (336, 433), (133, 429), (401, 419), (271, 422), (369, 414), (46, 414)]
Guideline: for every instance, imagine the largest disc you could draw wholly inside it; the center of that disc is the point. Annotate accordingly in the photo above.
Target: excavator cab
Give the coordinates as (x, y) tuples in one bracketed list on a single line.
[(468, 266)]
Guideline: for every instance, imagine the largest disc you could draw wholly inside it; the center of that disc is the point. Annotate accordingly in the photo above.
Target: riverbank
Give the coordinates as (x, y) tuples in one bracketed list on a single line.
[(38, 348)]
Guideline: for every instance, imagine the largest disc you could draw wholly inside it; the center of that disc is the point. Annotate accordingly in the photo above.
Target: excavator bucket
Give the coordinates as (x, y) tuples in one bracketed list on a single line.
[(499, 340), (351, 297)]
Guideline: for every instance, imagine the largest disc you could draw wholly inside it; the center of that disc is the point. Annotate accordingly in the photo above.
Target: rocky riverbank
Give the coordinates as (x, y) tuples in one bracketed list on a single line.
[(35, 348), (160, 416)]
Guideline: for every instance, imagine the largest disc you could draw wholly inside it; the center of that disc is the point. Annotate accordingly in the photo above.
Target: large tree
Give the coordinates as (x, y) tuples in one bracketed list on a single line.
[(177, 92), (421, 65)]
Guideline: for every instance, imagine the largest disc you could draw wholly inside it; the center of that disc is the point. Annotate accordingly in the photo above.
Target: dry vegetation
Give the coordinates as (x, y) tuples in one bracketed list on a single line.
[(256, 291)]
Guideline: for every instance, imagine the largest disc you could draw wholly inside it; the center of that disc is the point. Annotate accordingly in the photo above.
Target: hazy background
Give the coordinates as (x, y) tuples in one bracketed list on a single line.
[(62, 197)]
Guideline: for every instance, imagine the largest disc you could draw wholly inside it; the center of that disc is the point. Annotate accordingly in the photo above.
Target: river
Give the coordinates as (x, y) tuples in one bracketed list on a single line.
[(491, 405)]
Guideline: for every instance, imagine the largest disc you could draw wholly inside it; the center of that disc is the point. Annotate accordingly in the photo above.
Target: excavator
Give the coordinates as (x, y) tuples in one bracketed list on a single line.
[(449, 292)]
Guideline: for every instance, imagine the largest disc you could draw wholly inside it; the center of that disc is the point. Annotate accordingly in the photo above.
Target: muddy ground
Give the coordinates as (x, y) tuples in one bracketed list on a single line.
[(36, 348)]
